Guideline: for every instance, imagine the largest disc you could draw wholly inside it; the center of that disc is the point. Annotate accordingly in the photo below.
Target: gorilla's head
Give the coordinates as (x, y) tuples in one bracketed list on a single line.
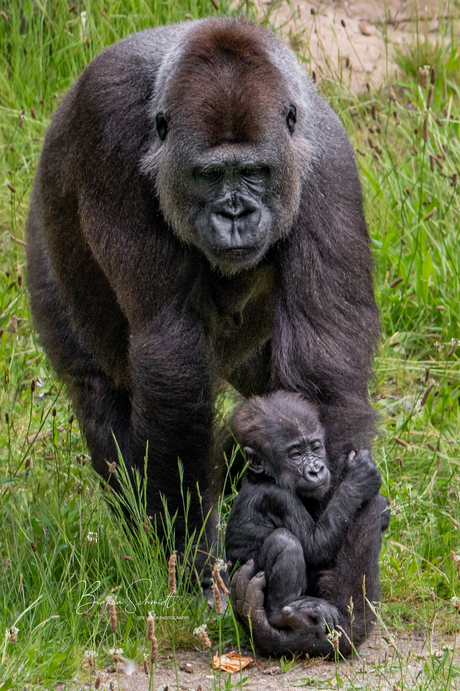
[(228, 176)]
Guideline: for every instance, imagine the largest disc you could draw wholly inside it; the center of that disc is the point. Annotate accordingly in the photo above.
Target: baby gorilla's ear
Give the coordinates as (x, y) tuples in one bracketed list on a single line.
[(254, 460)]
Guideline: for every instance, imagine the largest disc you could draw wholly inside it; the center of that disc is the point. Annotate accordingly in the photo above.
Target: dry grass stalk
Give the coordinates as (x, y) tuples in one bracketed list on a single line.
[(172, 574), (217, 598), (424, 77), (426, 394), (452, 350), (202, 636), (335, 640), (113, 616), (151, 637), (150, 628), (154, 651), (425, 128), (218, 578), (429, 97)]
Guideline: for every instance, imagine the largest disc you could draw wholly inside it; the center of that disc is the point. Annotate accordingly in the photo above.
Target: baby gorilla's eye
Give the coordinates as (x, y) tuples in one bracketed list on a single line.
[(316, 446), (295, 454)]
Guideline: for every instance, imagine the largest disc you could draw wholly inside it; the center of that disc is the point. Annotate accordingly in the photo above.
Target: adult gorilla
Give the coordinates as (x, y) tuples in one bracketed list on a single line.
[(197, 217)]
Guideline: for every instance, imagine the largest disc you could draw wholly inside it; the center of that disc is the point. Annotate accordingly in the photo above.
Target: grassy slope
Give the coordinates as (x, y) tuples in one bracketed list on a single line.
[(50, 504)]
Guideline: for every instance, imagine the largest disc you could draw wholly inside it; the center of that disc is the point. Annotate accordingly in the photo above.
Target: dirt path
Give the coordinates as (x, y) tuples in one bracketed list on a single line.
[(383, 663), (356, 41)]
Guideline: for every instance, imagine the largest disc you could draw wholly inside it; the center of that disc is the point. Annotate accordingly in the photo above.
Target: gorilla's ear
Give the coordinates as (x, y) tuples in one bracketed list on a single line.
[(291, 118), (162, 120), (254, 460)]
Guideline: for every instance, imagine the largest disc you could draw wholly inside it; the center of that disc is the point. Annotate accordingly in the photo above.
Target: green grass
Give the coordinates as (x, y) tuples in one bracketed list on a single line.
[(51, 505)]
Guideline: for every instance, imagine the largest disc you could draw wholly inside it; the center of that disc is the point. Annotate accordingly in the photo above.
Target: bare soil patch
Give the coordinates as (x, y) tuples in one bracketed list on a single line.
[(385, 662), (356, 41)]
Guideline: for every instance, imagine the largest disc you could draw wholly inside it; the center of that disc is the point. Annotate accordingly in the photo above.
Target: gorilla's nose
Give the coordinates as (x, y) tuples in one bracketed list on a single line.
[(315, 472), (234, 221)]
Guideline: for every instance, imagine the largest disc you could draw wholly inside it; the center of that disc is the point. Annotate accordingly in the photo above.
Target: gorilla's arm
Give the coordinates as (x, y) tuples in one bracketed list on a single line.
[(326, 325)]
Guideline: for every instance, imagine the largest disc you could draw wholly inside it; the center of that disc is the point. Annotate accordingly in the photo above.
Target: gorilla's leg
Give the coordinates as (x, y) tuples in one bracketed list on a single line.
[(282, 560), (172, 415), (103, 409)]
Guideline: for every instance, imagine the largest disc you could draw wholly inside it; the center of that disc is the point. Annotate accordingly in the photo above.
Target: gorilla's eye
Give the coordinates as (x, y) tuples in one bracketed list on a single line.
[(162, 125), (255, 172), (295, 454), (210, 175), (316, 445), (291, 118)]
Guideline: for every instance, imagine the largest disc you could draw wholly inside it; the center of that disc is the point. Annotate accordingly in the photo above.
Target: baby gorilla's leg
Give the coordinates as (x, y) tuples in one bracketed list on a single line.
[(282, 560)]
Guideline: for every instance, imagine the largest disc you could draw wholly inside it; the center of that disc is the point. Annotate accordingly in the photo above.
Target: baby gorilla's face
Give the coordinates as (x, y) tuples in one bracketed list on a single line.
[(300, 462)]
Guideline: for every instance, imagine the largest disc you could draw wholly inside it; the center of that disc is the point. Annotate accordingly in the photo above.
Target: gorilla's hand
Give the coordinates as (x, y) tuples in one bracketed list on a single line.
[(362, 475), (306, 621)]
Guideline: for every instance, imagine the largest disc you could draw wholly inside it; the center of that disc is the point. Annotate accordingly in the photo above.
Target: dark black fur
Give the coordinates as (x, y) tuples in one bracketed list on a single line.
[(196, 217), (314, 539)]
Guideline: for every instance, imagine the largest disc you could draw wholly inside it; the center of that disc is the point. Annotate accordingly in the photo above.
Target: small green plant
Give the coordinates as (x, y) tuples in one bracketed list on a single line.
[(229, 684), (287, 664)]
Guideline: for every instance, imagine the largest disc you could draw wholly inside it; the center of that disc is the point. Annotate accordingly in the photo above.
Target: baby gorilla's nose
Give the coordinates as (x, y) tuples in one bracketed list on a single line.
[(315, 471)]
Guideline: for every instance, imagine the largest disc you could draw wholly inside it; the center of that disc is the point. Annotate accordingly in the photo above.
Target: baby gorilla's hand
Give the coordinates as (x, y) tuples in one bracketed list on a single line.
[(311, 614), (362, 475)]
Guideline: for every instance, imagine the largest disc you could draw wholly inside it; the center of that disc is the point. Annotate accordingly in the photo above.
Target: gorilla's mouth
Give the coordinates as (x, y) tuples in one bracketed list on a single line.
[(317, 489), (237, 252), (237, 256)]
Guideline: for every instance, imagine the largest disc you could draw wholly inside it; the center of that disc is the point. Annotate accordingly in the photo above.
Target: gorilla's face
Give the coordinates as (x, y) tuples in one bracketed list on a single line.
[(233, 200), (233, 222), (232, 214)]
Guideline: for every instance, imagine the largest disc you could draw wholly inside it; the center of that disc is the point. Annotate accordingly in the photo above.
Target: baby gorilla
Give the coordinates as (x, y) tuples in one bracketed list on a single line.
[(292, 514)]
